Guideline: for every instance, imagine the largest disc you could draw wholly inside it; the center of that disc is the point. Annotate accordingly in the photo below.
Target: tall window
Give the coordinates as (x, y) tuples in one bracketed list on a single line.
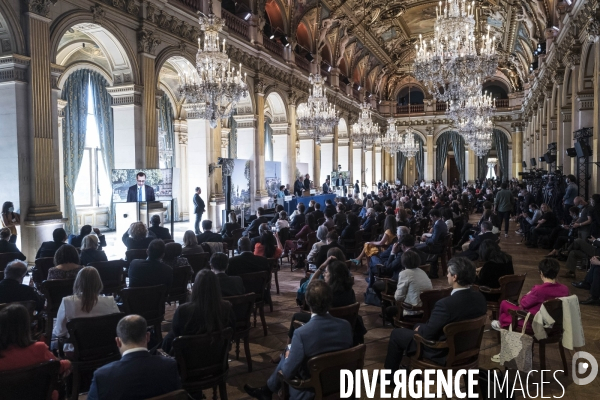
[(93, 187)]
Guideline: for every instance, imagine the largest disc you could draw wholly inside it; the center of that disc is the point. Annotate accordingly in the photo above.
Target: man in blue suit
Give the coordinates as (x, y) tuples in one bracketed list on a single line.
[(434, 245), (137, 375), (322, 334)]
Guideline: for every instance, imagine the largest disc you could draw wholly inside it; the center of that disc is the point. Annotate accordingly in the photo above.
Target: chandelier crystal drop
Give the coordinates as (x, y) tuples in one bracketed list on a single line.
[(392, 141), (217, 87), (319, 118), (409, 146), (364, 130)]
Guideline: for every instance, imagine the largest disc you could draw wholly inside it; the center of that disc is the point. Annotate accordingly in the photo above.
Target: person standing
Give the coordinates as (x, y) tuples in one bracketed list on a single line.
[(569, 197), (298, 187), (356, 188), (307, 182), (504, 205), (10, 220), (198, 209)]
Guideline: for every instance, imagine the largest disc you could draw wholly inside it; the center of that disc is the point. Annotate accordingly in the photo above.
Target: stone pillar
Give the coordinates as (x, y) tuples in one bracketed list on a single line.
[(336, 145), (517, 146), (316, 165), (351, 160), (199, 141), (127, 121), (573, 58), (291, 143), (373, 169), (181, 155), (216, 198), (362, 170), (147, 43), (595, 142), (259, 143), (471, 166), (430, 159)]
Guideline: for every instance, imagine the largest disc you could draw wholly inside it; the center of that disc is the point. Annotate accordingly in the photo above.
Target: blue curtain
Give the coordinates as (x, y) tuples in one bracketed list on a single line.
[(458, 147), (440, 155), (104, 120), (482, 167), (232, 137), (167, 123), (420, 159), (268, 140), (501, 142), (400, 165), (75, 92)]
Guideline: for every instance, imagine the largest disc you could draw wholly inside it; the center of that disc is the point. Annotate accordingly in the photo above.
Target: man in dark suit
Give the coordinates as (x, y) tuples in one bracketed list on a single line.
[(208, 235), (329, 206), (7, 247), (318, 214), (306, 184), (322, 334), (326, 186), (159, 231), (463, 304), (230, 285), (198, 209), (76, 240), (12, 288), (137, 375), (434, 245), (47, 249), (141, 191), (472, 253), (151, 271), (253, 227), (298, 187), (369, 221), (332, 241), (246, 262), (356, 188)]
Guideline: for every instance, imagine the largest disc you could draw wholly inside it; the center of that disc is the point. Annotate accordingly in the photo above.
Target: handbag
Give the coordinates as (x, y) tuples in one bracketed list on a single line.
[(517, 348)]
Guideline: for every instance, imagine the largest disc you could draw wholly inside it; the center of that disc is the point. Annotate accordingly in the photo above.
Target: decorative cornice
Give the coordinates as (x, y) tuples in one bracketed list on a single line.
[(40, 7), (124, 95), (14, 68), (147, 42)]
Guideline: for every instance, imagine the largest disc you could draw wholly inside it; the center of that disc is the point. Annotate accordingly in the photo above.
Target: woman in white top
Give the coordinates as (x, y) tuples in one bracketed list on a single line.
[(322, 232), (411, 281), (282, 222), (85, 302)]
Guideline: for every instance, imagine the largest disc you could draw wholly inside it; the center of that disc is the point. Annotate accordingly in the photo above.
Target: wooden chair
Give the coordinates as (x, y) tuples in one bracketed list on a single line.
[(349, 313), (176, 395), (236, 236), (257, 282), (273, 262), (428, 300), (112, 274), (325, 372), (137, 254), (354, 246), (40, 270), (463, 341), (387, 296), (302, 253), (149, 302), (54, 291), (178, 291), (5, 258), (203, 362), (94, 345), (34, 382), (35, 318), (555, 334), (242, 307), (198, 262)]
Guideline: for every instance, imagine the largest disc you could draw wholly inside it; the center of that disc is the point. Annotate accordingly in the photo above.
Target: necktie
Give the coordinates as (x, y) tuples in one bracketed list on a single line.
[(139, 194)]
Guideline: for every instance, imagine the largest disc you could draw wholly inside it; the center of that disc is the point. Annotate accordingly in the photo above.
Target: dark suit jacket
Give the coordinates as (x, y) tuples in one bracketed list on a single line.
[(325, 188), (137, 375), (149, 273), (209, 236), (253, 227), (160, 232), (368, 224), (47, 249), (89, 255), (322, 254), (298, 188), (229, 227), (318, 214), (133, 244), (247, 263), (7, 247), (298, 221), (230, 285), (11, 291), (440, 230), (394, 266), (132, 195), (77, 240), (198, 204), (306, 184), (473, 252)]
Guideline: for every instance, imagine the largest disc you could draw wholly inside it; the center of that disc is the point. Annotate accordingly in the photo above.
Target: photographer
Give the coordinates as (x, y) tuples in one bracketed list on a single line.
[(569, 197), (528, 220)]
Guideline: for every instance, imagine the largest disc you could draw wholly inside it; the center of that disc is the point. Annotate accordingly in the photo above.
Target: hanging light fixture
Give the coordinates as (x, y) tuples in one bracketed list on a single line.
[(319, 118), (364, 130), (409, 146), (392, 141), (217, 87)]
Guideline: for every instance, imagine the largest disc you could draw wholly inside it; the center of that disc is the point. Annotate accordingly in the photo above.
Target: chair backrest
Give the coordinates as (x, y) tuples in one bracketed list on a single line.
[(242, 306), (181, 278), (54, 291), (42, 266), (510, 287), (5, 258), (273, 263), (236, 235), (311, 238), (325, 370), (198, 262), (176, 395), (349, 313), (256, 282), (111, 272), (34, 382), (284, 234), (202, 356), (554, 309), (149, 302), (430, 297), (136, 254), (93, 338), (30, 305), (464, 340)]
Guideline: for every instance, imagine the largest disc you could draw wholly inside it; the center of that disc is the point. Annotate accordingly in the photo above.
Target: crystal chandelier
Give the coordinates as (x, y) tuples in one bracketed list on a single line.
[(450, 66), (364, 130), (409, 146), (392, 141), (479, 136), (479, 105), (217, 87), (319, 117)]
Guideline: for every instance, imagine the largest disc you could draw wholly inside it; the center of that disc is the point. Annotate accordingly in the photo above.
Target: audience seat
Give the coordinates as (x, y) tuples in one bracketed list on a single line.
[(178, 292), (136, 254), (243, 306), (302, 253), (273, 262), (112, 274), (149, 302), (428, 300), (35, 382), (36, 319), (198, 262), (40, 270), (5, 258), (54, 291), (257, 282)]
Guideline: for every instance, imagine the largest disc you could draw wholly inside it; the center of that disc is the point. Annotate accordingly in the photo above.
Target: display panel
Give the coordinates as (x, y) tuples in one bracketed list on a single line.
[(138, 185)]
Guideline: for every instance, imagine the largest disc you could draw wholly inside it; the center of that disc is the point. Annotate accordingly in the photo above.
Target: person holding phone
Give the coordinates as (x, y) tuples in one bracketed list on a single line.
[(10, 220)]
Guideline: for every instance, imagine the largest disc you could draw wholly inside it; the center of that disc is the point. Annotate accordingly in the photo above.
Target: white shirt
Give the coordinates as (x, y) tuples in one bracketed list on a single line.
[(458, 290), (133, 350)]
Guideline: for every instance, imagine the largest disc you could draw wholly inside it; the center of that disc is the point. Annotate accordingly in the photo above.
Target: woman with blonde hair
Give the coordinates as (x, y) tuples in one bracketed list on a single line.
[(372, 248), (89, 250), (85, 302), (137, 237), (190, 244)]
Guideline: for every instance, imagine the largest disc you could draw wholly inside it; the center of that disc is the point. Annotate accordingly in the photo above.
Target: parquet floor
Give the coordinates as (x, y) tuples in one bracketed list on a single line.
[(524, 260)]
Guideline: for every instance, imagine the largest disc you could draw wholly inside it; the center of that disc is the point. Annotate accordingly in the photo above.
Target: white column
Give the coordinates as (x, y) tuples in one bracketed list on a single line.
[(128, 126), (369, 165), (197, 168), (326, 160), (356, 175)]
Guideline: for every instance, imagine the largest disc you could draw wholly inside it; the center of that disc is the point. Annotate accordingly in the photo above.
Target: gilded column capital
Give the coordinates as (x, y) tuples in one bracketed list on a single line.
[(98, 14), (147, 42), (40, 7), (259, 87), (572, 59)]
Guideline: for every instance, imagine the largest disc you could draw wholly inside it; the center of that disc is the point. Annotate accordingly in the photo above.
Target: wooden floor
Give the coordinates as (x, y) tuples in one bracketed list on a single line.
[(524, 259)]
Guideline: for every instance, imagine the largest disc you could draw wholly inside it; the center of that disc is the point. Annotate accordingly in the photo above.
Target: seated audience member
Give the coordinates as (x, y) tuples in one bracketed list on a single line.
[(278, 209), (591, 282), (151, 271), (85, 302), (394, 264), (312, 255), (321, 334), (206, 313), (282, 221), (472, 248), (137, 375), (529, 220), (47, 249), (463, 304), (298, 218), (230, 285), (329, 224), (17, 348), (581, 225), (252, 229), (173, 257), (434, 244), (269, 245), (137, 237), (190, 244), (383, 257), (89, 251), (369, 220), (77, 240), (352, 226), (7, 247), (230, 226), (318, 214), (159, 231), (332, 242), (246, 262), (66, 261), (311, 207), (496, 264), (329, 206), (532, 301), (372, 248), (12, 288), (208, 235), (544, 226), (302, 236)]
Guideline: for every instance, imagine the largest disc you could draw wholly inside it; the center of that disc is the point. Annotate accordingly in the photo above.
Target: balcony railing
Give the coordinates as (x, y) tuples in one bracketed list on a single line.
[(414, 108), (195, 5), (273, 47), (441, 106), (235, 24), (342, 87), (502, 103), (302, 63)]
